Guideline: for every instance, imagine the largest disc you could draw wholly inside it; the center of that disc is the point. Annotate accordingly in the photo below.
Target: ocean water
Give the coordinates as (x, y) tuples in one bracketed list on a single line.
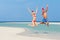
[(39, 28)]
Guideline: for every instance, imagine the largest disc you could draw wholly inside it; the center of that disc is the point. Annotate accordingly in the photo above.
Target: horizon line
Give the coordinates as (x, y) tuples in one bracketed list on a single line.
[(27, 21)]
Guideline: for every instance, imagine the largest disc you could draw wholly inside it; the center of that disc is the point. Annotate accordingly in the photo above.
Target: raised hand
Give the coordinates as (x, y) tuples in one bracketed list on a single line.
[(36, 9), (29, 10)]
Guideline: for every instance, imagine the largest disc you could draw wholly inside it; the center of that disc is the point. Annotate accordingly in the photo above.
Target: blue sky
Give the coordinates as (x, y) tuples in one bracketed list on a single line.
[(16, 10)]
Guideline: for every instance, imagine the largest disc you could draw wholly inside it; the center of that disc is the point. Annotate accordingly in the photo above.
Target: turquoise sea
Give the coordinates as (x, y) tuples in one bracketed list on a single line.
[(39, 28)]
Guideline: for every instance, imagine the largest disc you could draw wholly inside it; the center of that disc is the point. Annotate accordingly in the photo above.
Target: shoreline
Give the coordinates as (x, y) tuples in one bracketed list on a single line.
[(11, 33), (15, 33)]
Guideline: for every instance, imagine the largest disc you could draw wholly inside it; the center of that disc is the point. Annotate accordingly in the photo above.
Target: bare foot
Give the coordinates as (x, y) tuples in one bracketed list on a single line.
[(47, 24)]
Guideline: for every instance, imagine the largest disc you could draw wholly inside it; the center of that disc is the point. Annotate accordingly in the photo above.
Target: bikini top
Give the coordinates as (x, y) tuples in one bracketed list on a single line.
[(34, 15)]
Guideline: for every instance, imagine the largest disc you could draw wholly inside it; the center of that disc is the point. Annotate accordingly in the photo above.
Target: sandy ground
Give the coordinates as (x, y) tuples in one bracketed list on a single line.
[(10, 33)]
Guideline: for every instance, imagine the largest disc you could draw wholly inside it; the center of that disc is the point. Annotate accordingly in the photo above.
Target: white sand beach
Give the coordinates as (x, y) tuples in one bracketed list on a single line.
[(11, 33)]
